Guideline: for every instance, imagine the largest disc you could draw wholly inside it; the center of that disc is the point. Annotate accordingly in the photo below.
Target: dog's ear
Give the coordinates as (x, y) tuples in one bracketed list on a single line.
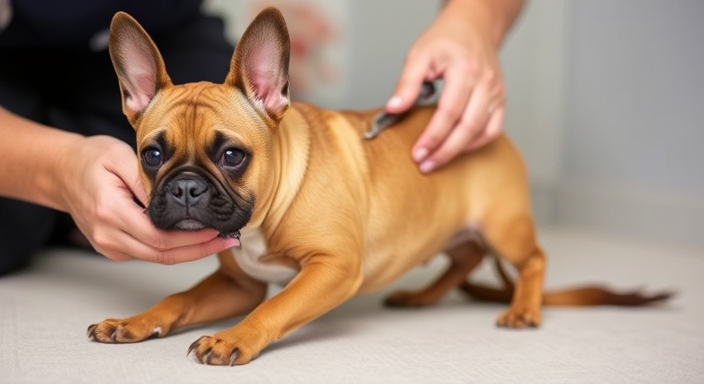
[(259, 67), (139, 66)]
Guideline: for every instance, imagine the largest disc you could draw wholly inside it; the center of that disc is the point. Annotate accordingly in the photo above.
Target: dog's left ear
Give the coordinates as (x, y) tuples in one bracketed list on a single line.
[(138, 64), (259, 67)]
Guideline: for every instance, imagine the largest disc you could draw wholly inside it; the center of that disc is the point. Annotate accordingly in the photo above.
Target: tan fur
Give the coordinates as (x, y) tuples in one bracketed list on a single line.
[(351, 215)]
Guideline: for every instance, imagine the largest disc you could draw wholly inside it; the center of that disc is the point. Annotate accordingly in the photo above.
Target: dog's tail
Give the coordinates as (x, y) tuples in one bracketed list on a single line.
[(578, 296)]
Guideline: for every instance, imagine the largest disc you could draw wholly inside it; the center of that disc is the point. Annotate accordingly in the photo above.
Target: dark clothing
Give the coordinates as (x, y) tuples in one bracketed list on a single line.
[(72, 23), (50, 74)]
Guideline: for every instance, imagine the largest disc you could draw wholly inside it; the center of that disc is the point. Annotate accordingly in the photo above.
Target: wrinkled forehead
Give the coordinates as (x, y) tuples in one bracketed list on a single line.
[(198, 113)]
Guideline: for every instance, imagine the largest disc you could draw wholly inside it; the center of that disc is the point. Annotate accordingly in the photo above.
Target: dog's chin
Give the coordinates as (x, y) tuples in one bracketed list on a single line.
[(189, 225), (194, 225)]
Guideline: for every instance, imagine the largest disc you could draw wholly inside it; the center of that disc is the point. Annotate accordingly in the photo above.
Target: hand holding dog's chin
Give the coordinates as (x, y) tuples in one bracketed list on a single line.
[(99, 181), (461, 49)]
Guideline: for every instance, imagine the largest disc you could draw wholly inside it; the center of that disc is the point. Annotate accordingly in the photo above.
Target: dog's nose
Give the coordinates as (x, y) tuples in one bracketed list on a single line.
[(188, 192)]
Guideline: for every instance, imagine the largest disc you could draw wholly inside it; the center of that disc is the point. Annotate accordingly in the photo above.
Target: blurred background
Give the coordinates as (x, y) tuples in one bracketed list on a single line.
[(605, 98)]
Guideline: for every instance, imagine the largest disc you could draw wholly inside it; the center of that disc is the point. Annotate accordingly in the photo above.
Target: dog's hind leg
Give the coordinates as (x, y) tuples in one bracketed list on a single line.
[(513, 238), (463, 259)]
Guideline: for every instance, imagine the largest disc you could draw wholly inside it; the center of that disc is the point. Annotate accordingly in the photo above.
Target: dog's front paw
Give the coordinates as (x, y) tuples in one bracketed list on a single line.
[(122, 331), (519, 318), (226, 348), (211, 351), (408, 299)]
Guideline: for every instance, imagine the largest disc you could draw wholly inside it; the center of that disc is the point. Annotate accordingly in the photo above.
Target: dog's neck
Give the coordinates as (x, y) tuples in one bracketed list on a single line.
[(290, 149)]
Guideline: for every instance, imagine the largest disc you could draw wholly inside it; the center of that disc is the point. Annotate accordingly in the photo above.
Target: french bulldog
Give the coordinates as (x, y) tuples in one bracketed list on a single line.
[(318, 209)]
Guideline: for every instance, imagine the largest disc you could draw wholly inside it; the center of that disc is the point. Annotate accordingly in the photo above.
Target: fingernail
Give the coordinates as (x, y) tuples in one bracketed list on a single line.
[(393, 102), (420, 154), (427, 166), (232, 243)]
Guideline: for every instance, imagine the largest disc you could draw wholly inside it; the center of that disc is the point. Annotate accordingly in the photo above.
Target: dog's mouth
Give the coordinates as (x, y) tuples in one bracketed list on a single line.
[(230, 235), (194, 225), (208, 204), (189, 225)]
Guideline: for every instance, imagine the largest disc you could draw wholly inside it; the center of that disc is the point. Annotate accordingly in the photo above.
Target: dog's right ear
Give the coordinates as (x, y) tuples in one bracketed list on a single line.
[(139, 66)]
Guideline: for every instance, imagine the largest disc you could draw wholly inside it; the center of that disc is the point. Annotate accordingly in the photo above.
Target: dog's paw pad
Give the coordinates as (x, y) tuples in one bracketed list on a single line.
[(211, 351)]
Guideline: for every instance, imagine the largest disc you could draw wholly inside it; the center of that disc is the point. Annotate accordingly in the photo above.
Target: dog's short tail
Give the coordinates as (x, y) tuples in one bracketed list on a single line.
[(578, 296)]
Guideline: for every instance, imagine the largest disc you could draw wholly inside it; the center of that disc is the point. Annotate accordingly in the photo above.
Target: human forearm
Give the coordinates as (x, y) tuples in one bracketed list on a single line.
[(95, 179), (494, 16), (32, 157)]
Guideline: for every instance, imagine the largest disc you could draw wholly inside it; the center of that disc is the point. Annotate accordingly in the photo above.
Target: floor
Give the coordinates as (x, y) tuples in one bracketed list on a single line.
[(45, 311)]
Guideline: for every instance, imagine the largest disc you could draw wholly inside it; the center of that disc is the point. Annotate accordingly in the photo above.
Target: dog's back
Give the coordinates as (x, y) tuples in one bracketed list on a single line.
[(456, 199)]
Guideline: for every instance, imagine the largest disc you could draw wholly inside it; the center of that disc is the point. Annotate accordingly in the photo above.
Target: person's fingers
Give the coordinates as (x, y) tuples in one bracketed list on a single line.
[(124, 169), (472, 123), (116, 255), (134, 237), (467, 130), (137, 190), (130, 217), (198, 251), (453, 144), (409, 84), (492, 131), (453, 100), (165, 240), (130, 177), (109, 218), (122, 246), (124, 221), (133, 221)]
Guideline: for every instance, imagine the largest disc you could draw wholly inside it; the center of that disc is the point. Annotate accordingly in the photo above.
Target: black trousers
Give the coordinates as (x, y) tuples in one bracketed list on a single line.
[(77, 90)]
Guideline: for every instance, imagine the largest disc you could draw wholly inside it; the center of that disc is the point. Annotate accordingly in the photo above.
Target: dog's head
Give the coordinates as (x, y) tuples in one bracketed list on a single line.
[(204, 148)]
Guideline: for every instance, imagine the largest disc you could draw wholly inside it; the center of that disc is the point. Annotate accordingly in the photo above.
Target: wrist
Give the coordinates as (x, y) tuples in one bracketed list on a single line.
[(490, 18), (59, 174)]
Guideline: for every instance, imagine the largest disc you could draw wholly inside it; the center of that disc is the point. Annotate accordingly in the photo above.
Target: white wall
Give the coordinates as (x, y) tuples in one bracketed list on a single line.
[(633, 139), (606, 100), (534, 61)]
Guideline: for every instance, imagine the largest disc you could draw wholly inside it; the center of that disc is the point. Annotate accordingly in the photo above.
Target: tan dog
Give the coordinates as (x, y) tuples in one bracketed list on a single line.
[(320, 210)]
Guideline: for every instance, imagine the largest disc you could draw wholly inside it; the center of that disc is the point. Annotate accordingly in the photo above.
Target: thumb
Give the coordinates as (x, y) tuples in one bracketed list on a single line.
[(138, 191), (128, 171)]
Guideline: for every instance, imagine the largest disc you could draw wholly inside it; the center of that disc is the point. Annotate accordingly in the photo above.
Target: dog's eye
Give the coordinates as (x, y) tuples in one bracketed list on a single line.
[(152, 157), (233, 157)]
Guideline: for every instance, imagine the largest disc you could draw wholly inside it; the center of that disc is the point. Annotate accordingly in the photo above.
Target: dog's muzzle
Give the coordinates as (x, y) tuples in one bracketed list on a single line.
[(188, 200)]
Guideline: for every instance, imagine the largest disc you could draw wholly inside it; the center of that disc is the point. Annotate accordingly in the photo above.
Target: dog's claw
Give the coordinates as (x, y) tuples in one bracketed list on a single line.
[(114, 331), (233, 356), (94, 334), (91, 331), (518, 320), (517, 324), (211, 351), (194, 346), (206, 356)]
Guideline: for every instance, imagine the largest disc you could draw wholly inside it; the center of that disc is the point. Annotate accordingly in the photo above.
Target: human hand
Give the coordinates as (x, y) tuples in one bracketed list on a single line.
[(99, 183), (470, 111)]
